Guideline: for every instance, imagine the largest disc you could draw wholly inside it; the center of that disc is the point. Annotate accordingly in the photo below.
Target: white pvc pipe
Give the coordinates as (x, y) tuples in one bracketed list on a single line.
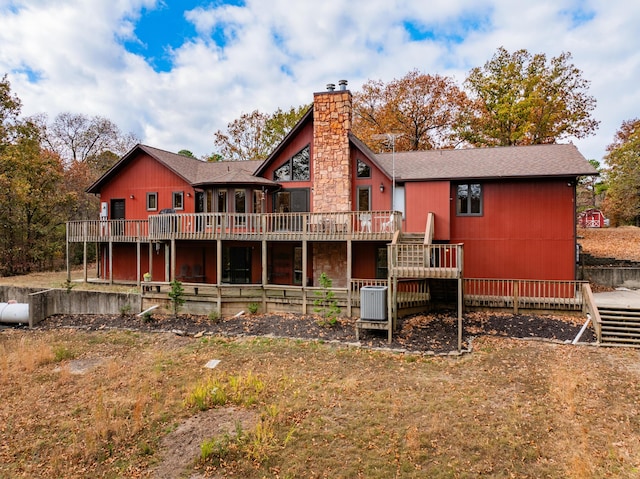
[(584, 327), (14, 313)]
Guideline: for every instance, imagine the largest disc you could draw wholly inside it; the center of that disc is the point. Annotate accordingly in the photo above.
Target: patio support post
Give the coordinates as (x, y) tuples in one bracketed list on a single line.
[(110, 261), (304, 275), (151, 259), (460, 303), (265, 277), (219, 273), (138, 261), (173, 259), (84, 261), (349, 274)]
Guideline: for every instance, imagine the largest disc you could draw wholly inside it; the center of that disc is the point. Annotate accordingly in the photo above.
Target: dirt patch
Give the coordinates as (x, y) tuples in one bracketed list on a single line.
[(435, 332), (180, 448)]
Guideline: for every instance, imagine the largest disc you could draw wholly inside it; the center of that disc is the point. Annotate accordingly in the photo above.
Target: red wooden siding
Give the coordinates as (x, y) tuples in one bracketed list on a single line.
[(379, 200), (144, 175), (422, 198), (526, 231)]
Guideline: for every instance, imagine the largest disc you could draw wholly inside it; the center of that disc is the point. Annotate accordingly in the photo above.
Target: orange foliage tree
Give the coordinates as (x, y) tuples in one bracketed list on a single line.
[(425, 109)]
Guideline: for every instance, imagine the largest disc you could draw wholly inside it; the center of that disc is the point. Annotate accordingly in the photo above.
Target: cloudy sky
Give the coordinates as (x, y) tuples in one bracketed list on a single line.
[(175, 71)]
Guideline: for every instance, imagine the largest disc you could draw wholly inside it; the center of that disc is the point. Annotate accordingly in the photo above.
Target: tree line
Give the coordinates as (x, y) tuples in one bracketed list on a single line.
[(513, 99), (45, 168)]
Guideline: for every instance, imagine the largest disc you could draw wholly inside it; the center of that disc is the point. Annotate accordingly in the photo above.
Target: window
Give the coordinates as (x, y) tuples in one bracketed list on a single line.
[(469, 199), (240, 206), (364, 198), (178, 200), (152, 201), (363, 170), (295, 169)]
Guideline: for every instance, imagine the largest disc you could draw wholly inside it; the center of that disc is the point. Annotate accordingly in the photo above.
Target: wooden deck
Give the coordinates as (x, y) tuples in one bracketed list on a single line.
[(332, 226)]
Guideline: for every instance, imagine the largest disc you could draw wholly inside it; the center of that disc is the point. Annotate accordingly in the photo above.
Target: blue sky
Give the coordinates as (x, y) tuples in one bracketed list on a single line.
[(173, 72)]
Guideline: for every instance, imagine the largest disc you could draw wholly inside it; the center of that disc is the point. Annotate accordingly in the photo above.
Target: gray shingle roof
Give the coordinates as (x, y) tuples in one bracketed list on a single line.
[(485, 163), (193, 171)]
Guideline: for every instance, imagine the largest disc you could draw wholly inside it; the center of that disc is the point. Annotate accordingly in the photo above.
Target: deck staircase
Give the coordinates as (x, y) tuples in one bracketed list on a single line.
[(620, 326)]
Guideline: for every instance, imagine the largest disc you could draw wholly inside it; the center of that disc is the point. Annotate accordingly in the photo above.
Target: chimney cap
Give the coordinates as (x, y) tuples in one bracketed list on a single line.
[(331, 86), (343, 84)]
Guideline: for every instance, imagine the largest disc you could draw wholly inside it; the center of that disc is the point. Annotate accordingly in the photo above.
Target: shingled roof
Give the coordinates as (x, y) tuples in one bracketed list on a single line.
[(193, 171), (488, 163)]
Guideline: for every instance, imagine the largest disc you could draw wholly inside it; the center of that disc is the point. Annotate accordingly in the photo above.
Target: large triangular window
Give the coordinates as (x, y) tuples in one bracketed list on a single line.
[(295, 168)]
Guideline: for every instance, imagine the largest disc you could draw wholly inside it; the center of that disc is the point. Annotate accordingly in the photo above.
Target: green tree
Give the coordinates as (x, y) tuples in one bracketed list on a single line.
[(254, 135), (523, 99), (591, 189), (622, 204), (424, 109)]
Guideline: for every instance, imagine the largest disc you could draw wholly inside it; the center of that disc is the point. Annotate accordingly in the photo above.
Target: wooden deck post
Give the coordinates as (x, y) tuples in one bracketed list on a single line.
[(138, 261), (460, 305), (305, 265), (265, 277), (110, 261), (219, 273), (349, 273), (85, 274)]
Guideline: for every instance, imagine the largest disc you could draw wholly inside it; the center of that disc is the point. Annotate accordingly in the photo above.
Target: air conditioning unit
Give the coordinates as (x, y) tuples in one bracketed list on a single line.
[(373, 303)]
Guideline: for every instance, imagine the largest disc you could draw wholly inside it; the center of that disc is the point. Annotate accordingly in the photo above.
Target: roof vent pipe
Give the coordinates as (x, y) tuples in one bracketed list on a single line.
[(331, 86), (343, 85)]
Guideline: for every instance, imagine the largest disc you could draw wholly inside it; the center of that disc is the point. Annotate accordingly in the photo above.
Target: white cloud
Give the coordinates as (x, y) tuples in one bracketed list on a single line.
[(279, 52)]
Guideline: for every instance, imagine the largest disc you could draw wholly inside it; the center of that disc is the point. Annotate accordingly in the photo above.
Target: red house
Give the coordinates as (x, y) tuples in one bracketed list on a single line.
[(420, 222)]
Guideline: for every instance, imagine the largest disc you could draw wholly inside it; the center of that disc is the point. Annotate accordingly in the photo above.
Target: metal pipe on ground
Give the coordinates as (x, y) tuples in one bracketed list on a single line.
[(15, 313)]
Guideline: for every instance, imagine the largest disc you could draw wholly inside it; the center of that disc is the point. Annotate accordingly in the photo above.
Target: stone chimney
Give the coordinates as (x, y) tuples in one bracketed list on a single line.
[(331, 165)]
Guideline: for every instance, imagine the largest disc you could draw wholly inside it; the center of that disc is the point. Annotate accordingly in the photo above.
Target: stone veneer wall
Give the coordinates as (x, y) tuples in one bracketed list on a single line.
[(330, 258), (331, 168)]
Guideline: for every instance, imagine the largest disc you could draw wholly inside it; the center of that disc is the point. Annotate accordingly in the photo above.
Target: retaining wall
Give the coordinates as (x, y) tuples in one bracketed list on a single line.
[(45, 303), (612, 276)]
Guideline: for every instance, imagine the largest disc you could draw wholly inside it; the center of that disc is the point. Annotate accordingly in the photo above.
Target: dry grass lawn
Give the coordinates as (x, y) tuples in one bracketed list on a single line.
[(620, 243), (511, 409)]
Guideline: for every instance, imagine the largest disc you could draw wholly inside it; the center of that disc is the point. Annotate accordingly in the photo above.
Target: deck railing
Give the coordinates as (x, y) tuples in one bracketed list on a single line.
[(426, 261), (364, 225), (108, 230), (521, 294)]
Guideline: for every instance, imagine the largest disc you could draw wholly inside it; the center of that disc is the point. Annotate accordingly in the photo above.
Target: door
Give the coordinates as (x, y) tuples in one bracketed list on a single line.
[(117, 213), (237, 265)]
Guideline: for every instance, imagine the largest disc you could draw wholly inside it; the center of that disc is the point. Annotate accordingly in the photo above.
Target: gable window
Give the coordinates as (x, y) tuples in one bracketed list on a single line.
[(362, 169), (294, 169), (469, 199), (178, 200), (152, 201)]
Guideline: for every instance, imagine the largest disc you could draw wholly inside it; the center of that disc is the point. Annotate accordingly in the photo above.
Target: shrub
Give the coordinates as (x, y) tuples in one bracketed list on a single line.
[(325, 302), (253, 308), (177, 296)]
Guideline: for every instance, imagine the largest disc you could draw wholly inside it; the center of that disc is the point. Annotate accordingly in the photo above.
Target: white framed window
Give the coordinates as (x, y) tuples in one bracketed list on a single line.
[(178, 200), (152, 201)]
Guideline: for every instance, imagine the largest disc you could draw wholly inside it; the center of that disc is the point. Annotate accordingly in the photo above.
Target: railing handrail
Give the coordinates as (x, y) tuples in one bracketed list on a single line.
[(331, 224)]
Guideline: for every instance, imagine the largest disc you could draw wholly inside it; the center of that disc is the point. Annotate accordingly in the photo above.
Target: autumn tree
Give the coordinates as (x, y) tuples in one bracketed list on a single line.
[(622, 204), (254, 135), (34, 201), (424, 109), (523, 99)]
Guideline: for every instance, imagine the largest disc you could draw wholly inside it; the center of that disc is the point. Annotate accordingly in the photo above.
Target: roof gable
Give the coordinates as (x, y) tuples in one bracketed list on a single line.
[(193, 171)]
